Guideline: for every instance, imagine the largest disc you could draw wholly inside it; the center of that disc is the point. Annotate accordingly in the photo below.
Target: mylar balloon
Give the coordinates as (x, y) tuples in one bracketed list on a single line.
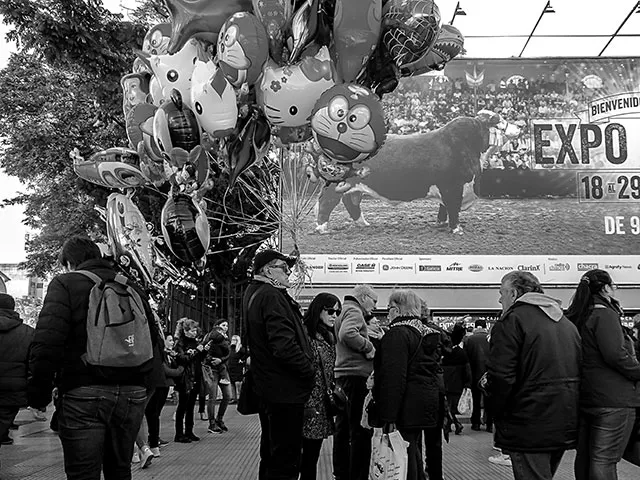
[(348, 123), (304, 25), (287, 94), (191, 176), (213, 100), (289, 135), (241, 152), (200, 18), (448, 45), (156, 41), (409, 28), (185, 228), (151, 169), (111, 168), (356, 30), (139, 124), (129, 238), (274, 15), (176, 131), (135, 90), (174, 71), (243, 48)]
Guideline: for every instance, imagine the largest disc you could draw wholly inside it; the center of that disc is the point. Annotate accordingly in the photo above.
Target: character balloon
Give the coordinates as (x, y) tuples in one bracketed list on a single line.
[(200, 18), (304, 25), (356, 30), (129, 238), (156, 41), (449, 44), (213, 100), (274, 15), (243, 48), (185, 228), (409, 28), (287, 94), (111, 168), (348, 123)]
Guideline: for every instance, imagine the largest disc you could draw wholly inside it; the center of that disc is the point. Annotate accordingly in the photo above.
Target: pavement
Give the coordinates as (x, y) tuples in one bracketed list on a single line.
[(37, 455)]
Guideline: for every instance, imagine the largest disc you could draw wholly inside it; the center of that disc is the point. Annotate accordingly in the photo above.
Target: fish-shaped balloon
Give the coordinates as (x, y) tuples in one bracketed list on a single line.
[(112, 168), (448, 45)]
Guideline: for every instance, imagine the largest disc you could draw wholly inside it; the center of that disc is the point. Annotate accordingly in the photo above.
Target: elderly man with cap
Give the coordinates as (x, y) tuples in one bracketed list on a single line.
[(281, 364), (15, 340)]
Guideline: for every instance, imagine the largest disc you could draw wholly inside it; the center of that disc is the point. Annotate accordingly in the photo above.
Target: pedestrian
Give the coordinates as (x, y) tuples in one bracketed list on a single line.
[(477, 349), (457, 373), (15, 341), (237, 362), (534, 378), (319, 319), (354, 364), (100, 407), (406, 386), (215, 372), (281, 364), (610, 372), (189, 355)]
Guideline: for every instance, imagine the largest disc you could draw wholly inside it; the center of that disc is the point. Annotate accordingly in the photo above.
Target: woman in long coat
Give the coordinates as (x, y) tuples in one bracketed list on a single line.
[(318, 422)]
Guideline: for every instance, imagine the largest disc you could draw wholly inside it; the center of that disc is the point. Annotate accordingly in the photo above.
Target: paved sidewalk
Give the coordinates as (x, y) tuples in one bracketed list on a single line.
[(36, 454)]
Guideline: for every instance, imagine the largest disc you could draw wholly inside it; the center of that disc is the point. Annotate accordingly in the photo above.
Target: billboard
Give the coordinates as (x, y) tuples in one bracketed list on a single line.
[(557, 189)]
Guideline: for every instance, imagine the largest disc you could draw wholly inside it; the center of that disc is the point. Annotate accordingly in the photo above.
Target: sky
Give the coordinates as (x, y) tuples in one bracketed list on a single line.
[(492, 28)]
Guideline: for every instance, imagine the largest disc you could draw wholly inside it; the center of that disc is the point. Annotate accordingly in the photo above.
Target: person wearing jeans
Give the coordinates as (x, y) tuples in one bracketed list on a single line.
[(610, 375), (354, 364), (216, 373)]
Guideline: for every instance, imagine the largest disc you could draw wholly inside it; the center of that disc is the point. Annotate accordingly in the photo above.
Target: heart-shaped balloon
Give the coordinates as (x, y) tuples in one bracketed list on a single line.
[(128, 236), (185, 228), (409, 28)]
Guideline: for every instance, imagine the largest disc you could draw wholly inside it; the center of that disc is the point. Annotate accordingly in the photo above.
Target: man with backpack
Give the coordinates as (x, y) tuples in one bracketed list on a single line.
[(95, 335)]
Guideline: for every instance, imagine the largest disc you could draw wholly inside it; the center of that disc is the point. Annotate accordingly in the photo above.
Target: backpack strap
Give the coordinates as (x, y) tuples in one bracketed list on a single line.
[(96, 279)]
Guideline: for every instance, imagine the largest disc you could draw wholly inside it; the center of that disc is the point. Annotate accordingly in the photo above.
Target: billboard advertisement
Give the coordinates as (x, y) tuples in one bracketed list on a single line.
[(494, 165)]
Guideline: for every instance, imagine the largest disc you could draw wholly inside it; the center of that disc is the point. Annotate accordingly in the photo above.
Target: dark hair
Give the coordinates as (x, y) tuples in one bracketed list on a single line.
[(457, 333), (78, 249), (523, 282), (312, 315), (481, 323), (591, 284)]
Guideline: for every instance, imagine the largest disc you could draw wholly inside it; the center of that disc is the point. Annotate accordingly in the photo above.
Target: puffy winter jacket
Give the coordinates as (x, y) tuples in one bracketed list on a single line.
[(15, 340)]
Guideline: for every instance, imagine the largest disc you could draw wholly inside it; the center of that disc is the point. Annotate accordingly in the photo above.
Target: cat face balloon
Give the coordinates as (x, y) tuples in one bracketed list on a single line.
[(348, 123), (243, 48), (213, 100), (287, 94)]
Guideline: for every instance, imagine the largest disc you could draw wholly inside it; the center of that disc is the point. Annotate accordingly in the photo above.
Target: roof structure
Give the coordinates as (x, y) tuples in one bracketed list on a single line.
[(548, 28)]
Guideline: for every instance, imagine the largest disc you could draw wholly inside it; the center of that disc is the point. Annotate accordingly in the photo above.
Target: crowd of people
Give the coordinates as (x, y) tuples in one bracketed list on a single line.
[(542, 381)]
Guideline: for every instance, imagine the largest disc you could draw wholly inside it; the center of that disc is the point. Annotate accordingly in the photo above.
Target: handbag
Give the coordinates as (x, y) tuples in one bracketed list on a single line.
[(389, 457), (336, 397)]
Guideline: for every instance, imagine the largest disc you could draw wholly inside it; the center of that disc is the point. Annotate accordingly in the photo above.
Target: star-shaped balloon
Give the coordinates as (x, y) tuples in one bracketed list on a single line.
[(200, 18)]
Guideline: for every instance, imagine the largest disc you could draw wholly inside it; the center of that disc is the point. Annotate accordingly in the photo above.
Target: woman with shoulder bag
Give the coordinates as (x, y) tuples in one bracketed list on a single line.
[(318, 418), (610, 372)]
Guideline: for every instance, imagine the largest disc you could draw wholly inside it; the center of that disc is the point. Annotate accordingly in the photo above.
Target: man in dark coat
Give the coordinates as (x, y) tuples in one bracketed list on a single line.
[(477, 349), (15, 340), (534, 378), (101, 408), (281, 364)]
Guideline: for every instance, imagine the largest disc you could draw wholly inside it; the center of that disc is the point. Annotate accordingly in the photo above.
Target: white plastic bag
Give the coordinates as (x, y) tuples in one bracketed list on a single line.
[(388, 456), (364, 419), (465, 404)]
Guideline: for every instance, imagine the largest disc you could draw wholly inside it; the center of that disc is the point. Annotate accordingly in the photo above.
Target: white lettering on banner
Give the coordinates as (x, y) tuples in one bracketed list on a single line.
[(559, 267), (585, 267), (429, 268)]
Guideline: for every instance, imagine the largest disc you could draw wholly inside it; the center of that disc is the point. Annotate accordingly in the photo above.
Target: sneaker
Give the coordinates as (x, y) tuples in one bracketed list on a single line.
[(192, 437), (162, 443), (38, 415), (214, 428), (222, 425), (136, 457), (204, 417), (501, 459), (146, 455), (475, 427), (155, 451), (182, 439)]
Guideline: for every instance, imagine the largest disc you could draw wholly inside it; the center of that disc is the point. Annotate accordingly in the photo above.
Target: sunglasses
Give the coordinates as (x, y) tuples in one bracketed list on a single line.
[(333, 311), (284, 267)]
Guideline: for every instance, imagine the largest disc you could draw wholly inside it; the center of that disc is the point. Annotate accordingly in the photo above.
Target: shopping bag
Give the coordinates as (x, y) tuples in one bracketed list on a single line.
[(465, 404), (388, 456)]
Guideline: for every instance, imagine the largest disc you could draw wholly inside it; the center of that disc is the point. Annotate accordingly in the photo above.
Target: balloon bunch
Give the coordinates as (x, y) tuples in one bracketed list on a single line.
[(210, 89)]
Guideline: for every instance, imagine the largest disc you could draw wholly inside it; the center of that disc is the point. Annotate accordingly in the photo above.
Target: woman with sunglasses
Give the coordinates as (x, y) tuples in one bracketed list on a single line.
[(610, 370), (318, 423)]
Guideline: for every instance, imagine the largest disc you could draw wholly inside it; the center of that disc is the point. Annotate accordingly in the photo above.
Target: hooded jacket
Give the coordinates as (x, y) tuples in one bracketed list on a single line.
[(534, 374), (353, 341), (15, 341)]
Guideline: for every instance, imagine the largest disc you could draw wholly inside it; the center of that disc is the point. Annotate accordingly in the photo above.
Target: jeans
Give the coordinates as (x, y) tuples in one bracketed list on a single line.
[(310, 455), (535, 466), (211, 387), (152, 413), (414, 454), (433, 451), (476, 414), (280, 440), (351, 442), (602, 439), (7, 415), (184, 411), (98, 427)]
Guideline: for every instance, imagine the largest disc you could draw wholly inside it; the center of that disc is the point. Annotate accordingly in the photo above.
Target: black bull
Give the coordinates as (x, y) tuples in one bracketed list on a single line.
[(407, 165)]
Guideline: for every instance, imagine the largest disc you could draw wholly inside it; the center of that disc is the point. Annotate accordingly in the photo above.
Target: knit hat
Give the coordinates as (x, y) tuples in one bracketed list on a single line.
[(7, 302)]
